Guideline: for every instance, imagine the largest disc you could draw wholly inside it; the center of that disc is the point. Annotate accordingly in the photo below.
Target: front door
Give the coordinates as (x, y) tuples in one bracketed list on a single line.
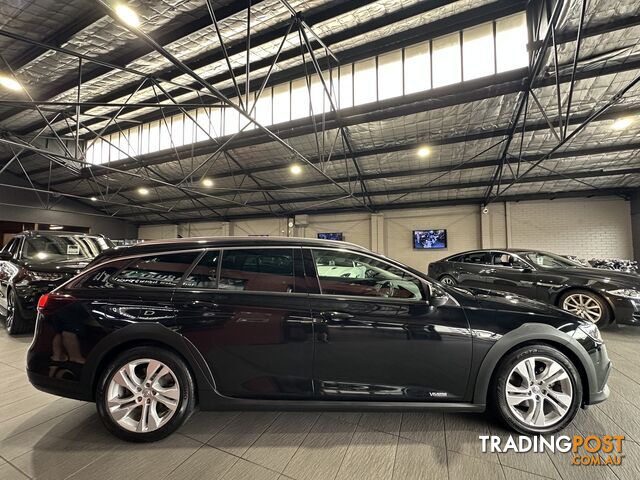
[(510, 273), (247, 312), (376, 336)]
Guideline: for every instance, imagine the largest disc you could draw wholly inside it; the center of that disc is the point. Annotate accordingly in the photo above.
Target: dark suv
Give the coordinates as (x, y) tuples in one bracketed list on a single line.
[(148, 331), (35, 262)]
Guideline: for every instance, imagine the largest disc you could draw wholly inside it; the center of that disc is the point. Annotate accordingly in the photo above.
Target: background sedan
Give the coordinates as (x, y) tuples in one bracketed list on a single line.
[(598, 296)]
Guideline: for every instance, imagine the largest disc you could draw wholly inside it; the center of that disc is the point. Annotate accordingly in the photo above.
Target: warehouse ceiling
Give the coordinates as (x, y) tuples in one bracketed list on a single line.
[(566, 125)]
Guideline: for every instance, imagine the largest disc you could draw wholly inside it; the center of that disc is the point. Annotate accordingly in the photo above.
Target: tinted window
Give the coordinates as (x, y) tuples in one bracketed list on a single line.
[(157, 270), (457, 258), (102, 277), (12, 246), (343, 273), (483, 258), (258, 270), (506, 260), (205, 273)]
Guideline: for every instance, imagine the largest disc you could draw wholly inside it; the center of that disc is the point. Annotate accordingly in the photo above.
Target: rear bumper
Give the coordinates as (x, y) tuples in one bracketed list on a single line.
[(61, 388)]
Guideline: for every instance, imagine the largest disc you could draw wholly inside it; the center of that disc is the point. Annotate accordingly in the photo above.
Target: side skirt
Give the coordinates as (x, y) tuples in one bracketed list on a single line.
[(212, 401)]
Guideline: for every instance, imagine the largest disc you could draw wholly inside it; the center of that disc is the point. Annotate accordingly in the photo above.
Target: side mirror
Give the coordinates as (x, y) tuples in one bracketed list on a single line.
[(438, 298), (523, 269)]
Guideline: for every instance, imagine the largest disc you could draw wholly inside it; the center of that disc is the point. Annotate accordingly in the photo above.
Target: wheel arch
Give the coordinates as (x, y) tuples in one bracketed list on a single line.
[(534, 334), (152, 334)]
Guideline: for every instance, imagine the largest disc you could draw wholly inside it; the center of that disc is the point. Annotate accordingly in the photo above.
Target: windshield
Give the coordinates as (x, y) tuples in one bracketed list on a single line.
[(548, 260), (63, 247)]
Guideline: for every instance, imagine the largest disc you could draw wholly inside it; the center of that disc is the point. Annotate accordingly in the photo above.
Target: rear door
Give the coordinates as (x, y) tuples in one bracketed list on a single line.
[(377, 337), (247, 311)]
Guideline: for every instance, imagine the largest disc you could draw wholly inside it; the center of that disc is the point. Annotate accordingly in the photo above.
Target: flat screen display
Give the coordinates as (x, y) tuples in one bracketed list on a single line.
[(330, 236), (429, 239)]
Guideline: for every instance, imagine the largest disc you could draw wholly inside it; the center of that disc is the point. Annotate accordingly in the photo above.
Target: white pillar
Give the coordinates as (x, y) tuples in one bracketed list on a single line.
[(377, 232)]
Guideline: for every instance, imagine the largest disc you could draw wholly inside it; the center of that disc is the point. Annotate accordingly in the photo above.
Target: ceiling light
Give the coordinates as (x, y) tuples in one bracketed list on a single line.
[(143, 191), (127, 15), (621, 123), (10, 83), (93, 199), (296, 169), (55, 227), (207, 182), (424, 152)]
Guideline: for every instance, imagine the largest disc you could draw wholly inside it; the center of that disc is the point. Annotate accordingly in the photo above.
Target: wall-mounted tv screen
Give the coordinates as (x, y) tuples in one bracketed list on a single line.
[(428, 239), (330, 236)]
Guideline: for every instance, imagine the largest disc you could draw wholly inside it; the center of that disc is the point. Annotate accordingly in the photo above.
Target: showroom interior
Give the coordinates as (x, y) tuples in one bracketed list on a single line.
[(495, 124)]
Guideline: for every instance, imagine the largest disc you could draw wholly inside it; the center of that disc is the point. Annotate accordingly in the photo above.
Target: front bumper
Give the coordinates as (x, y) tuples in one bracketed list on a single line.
[(29, 294), (625, 310), (600, 391)]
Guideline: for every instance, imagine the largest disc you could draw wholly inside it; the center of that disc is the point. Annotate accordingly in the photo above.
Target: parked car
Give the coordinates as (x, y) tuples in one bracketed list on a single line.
[(148, 331), (595, 295), (35, 262)]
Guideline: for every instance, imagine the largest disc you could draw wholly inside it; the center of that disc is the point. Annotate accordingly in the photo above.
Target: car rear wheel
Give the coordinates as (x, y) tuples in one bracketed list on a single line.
[(448, 280), (145, 394), (538, 390), (15, 322), (586, 305)]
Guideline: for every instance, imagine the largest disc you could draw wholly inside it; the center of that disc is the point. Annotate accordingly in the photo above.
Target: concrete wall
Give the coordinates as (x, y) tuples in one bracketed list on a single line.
[(597, 227), (23, 206)]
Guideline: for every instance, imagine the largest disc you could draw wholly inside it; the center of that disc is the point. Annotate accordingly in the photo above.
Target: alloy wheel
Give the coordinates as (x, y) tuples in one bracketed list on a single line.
[(539, 391), (143, 395), (584, 306), (448, 281)]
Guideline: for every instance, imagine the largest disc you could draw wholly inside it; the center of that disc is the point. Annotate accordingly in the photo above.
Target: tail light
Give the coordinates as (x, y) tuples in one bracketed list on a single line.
[(52, 301)]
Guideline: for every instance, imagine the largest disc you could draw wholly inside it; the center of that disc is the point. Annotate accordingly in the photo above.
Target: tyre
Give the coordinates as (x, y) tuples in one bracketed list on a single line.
[(448, 280), (145, 394), (587, 305), (15, 321), (537, 390)]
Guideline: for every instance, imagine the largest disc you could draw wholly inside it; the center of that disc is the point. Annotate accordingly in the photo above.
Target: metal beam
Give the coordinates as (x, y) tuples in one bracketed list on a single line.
[(624, 192), (443, 187)]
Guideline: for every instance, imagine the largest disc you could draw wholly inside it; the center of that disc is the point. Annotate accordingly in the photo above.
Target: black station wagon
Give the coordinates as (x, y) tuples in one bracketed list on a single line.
[(149, 331)]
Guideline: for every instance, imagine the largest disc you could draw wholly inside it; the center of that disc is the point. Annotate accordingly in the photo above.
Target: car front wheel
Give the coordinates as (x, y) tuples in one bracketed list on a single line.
[(586, 305), (145, 394), (538, 390)]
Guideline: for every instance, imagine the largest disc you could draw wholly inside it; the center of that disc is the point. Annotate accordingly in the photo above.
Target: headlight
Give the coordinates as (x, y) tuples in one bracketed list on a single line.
[(592, 331), (44, 276), (626, 293)]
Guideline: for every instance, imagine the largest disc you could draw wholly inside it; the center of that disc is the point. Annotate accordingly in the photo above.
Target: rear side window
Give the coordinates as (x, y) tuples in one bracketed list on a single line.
[(258, 270), (482, 258), (156, 271), (205, 273)]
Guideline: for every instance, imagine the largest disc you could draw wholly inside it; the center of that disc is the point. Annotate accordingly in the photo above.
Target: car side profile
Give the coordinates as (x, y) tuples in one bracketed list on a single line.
[(35, 262), (149, 331), (596, 295)]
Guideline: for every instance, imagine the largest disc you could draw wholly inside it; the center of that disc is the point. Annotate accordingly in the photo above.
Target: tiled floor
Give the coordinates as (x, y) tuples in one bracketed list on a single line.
[(42, 436)]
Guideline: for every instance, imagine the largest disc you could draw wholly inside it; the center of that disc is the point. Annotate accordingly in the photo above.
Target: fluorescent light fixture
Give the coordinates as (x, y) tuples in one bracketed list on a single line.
[(127, 15), (622, 123), (143, 191), (207, 182), (424, 152), (10, 83), (296, 169), (55, 227), (93, 199)]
